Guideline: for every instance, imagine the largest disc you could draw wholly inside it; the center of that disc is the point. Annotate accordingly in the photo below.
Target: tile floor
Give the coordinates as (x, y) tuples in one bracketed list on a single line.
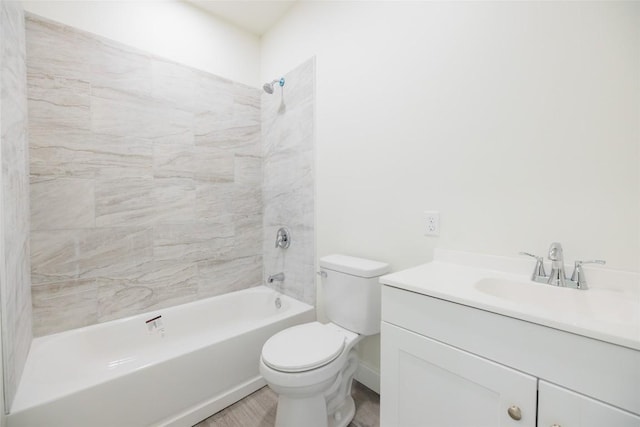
[(259, 410)]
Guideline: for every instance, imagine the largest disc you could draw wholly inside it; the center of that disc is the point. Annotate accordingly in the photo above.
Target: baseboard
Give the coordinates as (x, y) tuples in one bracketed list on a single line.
[(204, 410), (368, 377)]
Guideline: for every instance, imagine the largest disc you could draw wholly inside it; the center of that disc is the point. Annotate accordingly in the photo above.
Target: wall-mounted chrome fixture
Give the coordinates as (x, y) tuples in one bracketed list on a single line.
[(283, 238), (276, 278), (268, 87)]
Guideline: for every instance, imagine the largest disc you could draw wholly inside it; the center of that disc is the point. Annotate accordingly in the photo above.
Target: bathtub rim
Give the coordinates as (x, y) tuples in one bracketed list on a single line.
[(296, 308)]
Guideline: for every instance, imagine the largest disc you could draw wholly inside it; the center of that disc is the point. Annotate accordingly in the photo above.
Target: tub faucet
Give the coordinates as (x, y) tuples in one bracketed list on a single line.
[(276, 278)]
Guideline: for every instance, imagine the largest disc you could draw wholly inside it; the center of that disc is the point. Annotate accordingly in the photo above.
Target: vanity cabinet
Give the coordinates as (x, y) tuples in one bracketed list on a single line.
[(445, 364), (428, 383), (560, 407)]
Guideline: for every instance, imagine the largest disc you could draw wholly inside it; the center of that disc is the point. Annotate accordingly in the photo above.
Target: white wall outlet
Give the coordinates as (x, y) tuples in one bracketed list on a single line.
[(432, 223)]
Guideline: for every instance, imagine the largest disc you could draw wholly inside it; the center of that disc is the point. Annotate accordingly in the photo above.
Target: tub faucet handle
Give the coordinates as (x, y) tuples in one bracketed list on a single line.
[(283, 238)]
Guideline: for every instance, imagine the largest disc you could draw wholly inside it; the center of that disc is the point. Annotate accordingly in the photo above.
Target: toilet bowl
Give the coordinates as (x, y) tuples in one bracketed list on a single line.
[(311, 366)]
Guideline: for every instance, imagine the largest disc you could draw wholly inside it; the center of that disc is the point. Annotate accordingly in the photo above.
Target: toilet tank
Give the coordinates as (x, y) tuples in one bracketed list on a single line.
[(351, 292)]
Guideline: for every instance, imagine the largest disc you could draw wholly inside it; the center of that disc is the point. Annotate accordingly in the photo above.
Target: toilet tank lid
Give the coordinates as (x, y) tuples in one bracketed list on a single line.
[(355, 266)]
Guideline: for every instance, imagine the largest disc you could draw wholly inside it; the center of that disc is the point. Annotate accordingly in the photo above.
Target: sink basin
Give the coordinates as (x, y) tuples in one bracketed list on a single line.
[(531, 293), (601, 305)]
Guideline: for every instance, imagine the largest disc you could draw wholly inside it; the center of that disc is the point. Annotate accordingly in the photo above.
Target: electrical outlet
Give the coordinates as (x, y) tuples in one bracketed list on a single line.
[(432, 223)]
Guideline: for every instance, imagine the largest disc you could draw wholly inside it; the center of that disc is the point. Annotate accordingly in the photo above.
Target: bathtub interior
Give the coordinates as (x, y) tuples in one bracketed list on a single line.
[(68, 362)]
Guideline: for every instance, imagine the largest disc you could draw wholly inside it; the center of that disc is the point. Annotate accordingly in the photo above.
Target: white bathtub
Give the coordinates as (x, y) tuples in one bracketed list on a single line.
[(194, 360)]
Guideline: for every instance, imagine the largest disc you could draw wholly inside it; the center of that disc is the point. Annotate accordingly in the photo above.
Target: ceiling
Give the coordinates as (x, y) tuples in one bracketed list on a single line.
[(254, 16)]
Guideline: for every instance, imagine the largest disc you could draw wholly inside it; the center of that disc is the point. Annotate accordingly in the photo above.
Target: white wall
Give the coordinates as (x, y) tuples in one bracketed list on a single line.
[(168, 28), (3, 274), (518, 121)]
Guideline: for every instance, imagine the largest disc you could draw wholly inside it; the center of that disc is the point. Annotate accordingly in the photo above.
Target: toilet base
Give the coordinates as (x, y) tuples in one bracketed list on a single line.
[(312, 412), (344, 414), (307, 411)]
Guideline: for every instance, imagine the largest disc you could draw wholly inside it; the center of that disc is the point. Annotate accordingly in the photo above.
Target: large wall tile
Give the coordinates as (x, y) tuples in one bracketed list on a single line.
[(173, 83), (248, 235), (214, 202), (114, 252), (227, 134), (58, 203), (150, 182), (121, 113), (57, 50), (124, 202), (193, 242), (188, 161), (221, 276), (14, 194), (248, 170), (288, 181), (247, 200), (58, 306), (79, 153), (58, 255), (174, 200), (227, 116), (54, 255), (158, 284), (173, 160), (115, 66), (57, 102)]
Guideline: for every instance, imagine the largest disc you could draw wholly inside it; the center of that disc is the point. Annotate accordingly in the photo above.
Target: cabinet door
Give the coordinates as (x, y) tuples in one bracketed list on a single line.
[(425, 383), (559, 407)]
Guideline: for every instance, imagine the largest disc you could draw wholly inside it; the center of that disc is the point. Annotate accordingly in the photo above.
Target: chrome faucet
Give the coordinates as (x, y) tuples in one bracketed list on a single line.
[(276, 278), (558, 277)]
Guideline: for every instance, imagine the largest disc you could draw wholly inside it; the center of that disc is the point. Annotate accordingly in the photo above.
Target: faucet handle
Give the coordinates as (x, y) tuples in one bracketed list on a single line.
[(578, 273), (592, 261), (539, 268), (283, 238), (531, 255)]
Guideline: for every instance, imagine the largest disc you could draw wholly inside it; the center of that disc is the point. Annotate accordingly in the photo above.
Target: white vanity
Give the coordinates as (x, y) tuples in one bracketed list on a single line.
[(470, 341)]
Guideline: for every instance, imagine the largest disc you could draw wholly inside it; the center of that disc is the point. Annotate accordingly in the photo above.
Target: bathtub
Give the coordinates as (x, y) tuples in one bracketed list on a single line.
[(170, 367)]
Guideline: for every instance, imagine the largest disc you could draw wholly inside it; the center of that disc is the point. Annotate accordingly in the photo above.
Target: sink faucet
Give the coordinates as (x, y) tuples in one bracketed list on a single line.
[(556, 256), (557, 277)]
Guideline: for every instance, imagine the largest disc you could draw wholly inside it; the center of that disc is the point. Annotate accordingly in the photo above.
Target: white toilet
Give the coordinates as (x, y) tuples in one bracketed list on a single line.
[(311, 366)]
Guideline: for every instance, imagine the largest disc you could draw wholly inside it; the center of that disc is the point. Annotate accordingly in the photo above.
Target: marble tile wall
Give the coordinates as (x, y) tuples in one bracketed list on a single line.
[(289, 186), (145, 180), (15, 285)]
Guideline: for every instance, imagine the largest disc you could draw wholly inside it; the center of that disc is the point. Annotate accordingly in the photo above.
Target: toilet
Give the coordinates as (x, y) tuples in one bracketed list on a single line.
[(311, 366)]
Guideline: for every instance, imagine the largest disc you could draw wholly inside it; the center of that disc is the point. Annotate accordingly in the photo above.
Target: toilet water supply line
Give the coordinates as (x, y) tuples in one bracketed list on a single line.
[(342, 386)]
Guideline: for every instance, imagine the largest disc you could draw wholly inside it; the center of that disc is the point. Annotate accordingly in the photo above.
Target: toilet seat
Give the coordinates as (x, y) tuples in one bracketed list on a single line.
[(303, 347)]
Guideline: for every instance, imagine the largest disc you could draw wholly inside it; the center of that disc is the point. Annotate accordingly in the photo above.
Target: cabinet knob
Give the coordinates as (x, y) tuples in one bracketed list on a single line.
[(515, 413)]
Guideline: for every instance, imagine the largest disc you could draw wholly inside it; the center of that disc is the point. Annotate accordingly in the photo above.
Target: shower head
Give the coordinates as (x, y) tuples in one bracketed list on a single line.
[(268, 87)]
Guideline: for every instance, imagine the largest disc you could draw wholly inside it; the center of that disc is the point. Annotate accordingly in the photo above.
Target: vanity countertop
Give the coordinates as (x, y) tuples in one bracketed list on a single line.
[(609, 310)]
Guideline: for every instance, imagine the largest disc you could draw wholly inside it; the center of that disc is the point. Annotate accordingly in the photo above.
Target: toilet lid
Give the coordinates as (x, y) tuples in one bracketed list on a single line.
[(303, 347)]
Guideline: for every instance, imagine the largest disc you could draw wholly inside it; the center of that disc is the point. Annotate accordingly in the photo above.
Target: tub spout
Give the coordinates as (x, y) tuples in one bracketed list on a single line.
[(276, 278)]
